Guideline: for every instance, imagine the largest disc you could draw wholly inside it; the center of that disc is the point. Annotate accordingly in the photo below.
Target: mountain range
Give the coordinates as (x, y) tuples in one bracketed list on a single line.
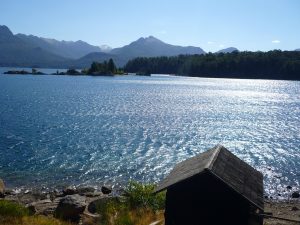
[(66, 49), (32, 51), (22, 50), (16, 52)]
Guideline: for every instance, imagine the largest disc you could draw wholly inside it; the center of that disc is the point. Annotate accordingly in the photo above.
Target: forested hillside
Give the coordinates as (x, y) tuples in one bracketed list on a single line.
[(259, 65)]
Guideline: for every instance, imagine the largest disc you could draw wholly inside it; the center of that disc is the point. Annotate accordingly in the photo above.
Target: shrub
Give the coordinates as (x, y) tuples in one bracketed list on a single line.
[(139, 206), (141, 195)]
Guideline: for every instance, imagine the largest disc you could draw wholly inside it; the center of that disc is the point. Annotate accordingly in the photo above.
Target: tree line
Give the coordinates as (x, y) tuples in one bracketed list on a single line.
[(276, 64), (106, 68), (102, 68)]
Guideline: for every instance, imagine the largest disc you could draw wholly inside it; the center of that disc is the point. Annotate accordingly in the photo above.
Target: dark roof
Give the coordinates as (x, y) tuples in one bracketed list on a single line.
[(221, 163)]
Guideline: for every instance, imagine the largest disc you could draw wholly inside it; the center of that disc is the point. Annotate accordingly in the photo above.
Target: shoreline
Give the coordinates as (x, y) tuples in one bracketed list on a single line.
[(283, 212), (280, 195), (46, 202)]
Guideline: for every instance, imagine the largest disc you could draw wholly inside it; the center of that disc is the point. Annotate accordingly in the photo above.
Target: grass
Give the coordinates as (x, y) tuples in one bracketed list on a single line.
[(31, 220), (139, 207), (12, 213), (11, 209), (116, 212)]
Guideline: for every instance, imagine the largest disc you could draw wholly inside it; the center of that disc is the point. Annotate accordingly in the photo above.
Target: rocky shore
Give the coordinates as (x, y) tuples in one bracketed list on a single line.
[(78, 204), (287, 210), (75, 204)]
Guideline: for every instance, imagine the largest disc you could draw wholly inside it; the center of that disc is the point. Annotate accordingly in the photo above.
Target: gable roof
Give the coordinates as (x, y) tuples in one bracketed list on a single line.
[(224, 165)]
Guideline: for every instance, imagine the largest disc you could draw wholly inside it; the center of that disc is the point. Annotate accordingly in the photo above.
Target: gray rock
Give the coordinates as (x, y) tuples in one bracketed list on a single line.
[(9, 192), (294, 208), (2, 188), (70, 207), (296, 194), (106, 190), (44, 207), (93, 194), (84, 190), (29, 197), (70, 191), (56, 193)]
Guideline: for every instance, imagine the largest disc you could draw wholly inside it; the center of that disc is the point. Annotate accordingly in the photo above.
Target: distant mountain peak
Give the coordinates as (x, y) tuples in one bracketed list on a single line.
[(152, 47), (227, 50), (149, 39), (4, 30), (298, 50), (152, 38)]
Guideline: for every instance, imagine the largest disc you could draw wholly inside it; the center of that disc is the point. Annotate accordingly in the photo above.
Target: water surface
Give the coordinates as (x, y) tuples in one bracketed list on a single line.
[(58, 130)]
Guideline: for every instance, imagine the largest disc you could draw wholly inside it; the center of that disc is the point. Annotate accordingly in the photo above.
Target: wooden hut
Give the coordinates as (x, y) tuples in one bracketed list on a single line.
[(213, 188)]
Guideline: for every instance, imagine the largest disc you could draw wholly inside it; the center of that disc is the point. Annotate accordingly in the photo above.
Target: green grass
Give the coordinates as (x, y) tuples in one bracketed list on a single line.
[(138, 207), (11, 209), (12, 213)]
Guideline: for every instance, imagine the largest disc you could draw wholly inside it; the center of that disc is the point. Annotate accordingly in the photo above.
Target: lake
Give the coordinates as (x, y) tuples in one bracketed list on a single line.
[(58, 130)]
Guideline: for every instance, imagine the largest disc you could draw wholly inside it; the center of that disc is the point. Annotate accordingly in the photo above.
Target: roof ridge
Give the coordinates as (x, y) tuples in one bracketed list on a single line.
[(214, 156)]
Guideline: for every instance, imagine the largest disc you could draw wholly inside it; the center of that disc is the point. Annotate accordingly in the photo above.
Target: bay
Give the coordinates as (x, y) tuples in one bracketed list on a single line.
[(57, 130)]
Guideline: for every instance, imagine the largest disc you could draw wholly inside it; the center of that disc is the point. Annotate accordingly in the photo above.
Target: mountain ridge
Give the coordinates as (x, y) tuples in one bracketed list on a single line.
[(67, 49), (16, 52), (26, 50), (33, 51), (151, 47)]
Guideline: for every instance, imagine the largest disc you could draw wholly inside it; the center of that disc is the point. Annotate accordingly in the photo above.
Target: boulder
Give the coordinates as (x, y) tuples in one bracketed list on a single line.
[(106, 190), (32, 196), (85, 190), (56, 193), (296, 194), (2, 188), (70, 207), (294, 208), (9, 192), (71, 190), (43, 207), (93, 194)]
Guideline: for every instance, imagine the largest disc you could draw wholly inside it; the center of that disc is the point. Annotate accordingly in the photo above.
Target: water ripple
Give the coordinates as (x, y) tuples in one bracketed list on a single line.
[(110, 130)]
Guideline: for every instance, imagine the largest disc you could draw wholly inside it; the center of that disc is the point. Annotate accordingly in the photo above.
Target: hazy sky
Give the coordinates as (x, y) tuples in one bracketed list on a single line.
[(211, 24)]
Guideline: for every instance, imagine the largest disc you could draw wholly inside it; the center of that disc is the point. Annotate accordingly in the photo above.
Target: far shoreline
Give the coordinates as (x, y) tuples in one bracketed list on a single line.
[(19, 72)]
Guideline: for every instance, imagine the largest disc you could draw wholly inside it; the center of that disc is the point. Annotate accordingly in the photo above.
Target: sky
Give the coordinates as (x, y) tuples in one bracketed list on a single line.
[(212, 24)]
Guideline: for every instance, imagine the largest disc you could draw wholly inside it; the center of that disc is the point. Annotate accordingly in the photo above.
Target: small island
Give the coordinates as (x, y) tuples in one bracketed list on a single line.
[(106, 68), (97, 69), (24, 72)]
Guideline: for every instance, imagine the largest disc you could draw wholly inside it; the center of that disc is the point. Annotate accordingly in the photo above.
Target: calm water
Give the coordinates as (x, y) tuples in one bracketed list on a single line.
[(68, 130)]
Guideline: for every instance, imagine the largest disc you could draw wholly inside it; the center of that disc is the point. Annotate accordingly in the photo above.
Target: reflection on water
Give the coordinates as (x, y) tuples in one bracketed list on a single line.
[(109, 130)]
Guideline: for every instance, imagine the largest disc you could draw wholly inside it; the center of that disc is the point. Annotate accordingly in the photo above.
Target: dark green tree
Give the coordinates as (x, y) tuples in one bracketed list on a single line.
[(111, 66)]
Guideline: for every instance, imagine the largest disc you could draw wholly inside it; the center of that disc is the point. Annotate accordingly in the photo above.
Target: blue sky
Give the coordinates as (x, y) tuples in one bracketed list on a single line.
[(211, 24)]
